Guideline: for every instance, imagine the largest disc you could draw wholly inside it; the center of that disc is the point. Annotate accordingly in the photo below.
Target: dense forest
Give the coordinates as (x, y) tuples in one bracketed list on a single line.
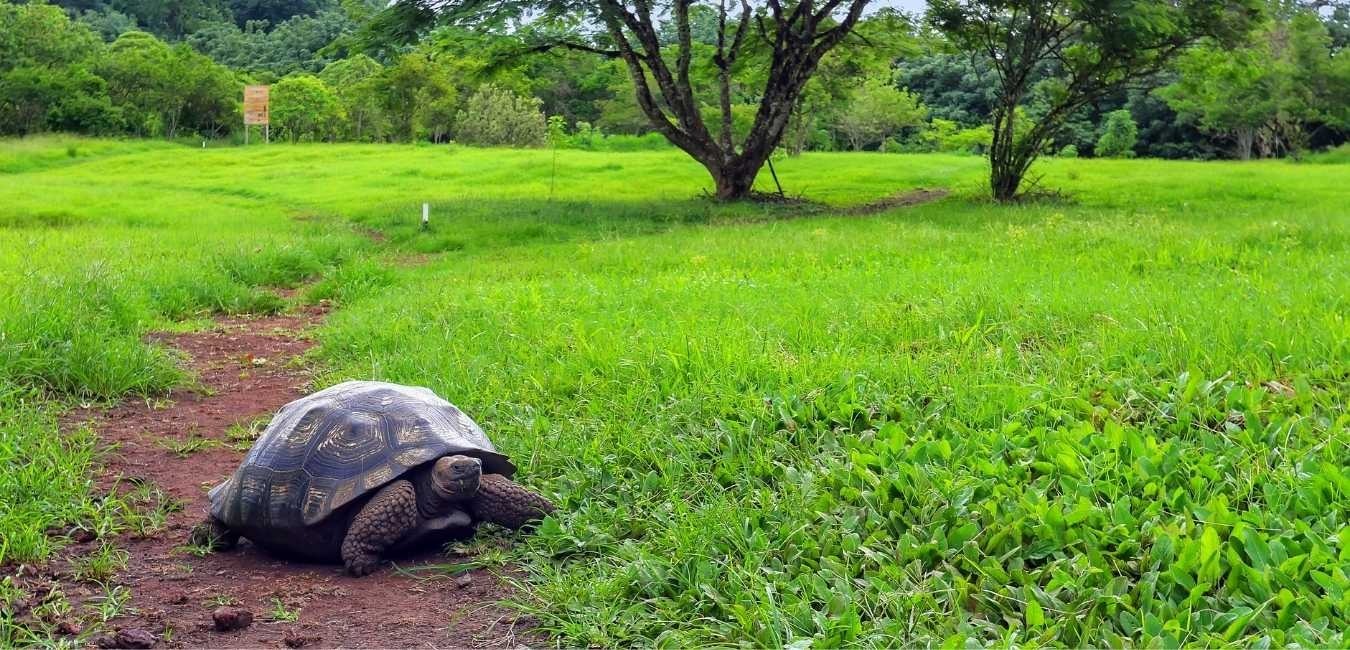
[(175, 70)]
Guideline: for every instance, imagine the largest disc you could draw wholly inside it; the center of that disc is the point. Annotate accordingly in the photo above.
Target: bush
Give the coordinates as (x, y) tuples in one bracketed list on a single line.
[(1119, 135), (1069, 151), (948, 136), (497, 117), (305, 108), (590, 138)]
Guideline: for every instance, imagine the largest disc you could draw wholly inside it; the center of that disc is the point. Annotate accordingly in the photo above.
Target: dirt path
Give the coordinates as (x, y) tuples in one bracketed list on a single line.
[(247, 368)]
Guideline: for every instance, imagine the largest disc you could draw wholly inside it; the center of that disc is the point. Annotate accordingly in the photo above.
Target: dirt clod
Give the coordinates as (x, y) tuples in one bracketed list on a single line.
[(229, 619), (464, 581), (293, 640), (68, 628), (126, 638)]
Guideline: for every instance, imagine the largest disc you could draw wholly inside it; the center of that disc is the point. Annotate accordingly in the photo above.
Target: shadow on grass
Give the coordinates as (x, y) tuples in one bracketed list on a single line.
[(494, 223)]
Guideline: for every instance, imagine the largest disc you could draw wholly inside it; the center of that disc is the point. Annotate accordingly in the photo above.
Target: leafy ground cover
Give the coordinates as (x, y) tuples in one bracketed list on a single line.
[(1113, 420)]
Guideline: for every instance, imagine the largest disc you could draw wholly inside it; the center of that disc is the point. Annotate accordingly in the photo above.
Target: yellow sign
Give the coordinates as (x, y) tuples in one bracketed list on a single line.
[(256, 107)]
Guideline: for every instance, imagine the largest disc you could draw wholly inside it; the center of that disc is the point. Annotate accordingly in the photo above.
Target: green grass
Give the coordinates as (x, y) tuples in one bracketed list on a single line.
[(1115, 421)]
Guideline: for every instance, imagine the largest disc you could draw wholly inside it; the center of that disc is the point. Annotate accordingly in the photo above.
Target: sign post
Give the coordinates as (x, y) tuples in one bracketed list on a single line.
[(257, 110)]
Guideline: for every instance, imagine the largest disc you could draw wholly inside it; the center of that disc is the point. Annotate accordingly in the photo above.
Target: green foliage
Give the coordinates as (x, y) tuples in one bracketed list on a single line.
[(299, 44), (45, 82), (1069, 151), (1262, 96), (876, 111), (1119, 135), (948, 136), (420, 94), (1091, 48), (357, 84), (162, 90), (955, 87), (304, 109), (496, 116)]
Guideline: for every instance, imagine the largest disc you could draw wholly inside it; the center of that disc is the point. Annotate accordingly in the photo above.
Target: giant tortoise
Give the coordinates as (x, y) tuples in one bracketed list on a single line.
[(363, 470)]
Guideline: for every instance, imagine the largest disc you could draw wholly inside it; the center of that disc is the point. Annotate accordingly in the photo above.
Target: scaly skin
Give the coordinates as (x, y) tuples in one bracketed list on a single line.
[(387, 518), (505, 502)]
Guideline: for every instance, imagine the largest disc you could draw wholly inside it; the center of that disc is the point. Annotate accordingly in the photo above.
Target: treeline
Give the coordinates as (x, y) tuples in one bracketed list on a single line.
[(176, 69)]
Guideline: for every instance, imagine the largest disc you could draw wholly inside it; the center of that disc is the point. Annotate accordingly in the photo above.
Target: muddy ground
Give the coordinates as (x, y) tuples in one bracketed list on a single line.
[(246, 369)]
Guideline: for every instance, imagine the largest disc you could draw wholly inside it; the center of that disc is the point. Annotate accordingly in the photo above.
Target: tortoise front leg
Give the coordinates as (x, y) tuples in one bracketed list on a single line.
[(505, 502), (388, 517)]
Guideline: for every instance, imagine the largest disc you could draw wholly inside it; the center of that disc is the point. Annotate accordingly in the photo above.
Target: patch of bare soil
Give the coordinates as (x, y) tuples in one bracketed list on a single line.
[(247, 368), (902, 200), (794, 208)]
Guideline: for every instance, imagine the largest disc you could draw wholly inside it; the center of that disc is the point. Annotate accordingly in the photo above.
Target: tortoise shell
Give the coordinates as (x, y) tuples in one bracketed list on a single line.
[(326, 450)]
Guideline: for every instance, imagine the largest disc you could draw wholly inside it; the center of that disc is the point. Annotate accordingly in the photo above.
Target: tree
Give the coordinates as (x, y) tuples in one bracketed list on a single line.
[(274, 11), (356, 82), (1227, 92), (1119, 136), (954, 87), (1088, 48), (1264, 95), (45, 82), (161, 89), (796, 35), (419, 95), (877, 110), (303, 107), (300, 44), (496, 117), (170, 19)]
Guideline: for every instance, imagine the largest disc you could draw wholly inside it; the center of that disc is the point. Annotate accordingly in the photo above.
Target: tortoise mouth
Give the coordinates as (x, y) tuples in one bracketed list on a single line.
[(460, 487)]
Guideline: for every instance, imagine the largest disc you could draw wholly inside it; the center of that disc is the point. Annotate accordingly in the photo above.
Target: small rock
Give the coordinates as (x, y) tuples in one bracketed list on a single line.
[(127, 638), (231, 618), (463, 580), (294, 640)]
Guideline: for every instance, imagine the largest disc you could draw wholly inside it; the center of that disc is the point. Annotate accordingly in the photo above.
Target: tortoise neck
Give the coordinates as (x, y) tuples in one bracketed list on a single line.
[(432, 500)]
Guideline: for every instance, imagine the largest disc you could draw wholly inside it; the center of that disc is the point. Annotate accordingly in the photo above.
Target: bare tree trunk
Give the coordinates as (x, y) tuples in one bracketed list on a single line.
[(1004, 176), (735, 182), (1246, 139)]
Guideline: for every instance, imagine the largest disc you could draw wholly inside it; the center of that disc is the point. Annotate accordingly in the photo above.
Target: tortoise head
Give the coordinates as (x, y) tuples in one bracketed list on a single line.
[(456, 477)]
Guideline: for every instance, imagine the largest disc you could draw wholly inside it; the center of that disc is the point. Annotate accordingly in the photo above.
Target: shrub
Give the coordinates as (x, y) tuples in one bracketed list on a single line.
[(1069, 151), (1119, 135), (305, 108), (496, 117)]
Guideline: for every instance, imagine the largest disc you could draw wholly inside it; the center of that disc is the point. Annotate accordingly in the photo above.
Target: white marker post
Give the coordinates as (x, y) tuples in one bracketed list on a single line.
[(426, 216)]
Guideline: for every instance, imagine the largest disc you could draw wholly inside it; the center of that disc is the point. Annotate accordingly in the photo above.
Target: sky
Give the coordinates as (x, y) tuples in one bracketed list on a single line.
[(908, 5)]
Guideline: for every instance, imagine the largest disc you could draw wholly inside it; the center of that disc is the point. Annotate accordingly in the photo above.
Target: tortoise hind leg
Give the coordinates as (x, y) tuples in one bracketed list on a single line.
[(388, 517), (213, 535), (505, 502)]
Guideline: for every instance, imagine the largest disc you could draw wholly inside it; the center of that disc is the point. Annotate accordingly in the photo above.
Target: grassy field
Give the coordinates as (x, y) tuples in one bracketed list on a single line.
[(1118, 420)]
